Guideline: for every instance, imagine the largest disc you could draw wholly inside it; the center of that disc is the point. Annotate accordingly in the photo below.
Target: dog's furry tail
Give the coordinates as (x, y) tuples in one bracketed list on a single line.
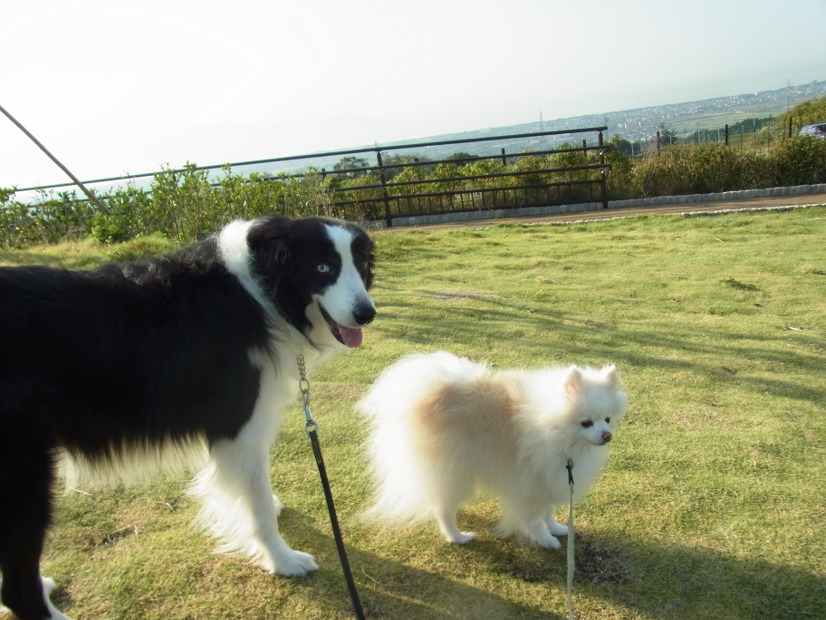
[(402, 479)]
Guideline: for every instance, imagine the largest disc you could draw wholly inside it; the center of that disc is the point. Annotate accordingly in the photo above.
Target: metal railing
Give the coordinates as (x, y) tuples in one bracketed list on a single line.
[(435, 182), (390, 195)]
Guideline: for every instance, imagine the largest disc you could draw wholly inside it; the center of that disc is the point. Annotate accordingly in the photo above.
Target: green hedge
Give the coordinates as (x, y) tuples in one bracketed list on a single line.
[(713, 167), (187, 204)]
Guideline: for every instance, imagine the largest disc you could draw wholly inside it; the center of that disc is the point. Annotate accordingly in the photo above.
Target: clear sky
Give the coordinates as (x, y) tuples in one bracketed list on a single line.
[(127, 86)]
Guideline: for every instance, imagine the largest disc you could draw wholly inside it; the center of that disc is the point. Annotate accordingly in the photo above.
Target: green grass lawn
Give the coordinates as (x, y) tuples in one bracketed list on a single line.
[(713, 503)]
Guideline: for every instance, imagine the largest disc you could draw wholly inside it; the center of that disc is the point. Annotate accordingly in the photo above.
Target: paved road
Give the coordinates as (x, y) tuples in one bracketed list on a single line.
[(612, 212)]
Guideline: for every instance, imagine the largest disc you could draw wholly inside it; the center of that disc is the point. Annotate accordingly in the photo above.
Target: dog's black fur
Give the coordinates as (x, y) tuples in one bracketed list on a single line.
[(98, 363)]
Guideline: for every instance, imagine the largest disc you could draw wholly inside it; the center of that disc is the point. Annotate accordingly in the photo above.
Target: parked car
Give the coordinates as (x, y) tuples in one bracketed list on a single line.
[(817, 130)]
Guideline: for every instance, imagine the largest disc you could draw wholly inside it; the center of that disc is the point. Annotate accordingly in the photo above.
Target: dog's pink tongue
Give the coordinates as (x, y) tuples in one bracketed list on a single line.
[(351, 337)]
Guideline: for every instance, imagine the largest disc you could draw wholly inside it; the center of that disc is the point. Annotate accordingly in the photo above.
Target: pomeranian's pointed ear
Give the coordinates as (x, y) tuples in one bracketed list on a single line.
[(573, 382), (611, 376)]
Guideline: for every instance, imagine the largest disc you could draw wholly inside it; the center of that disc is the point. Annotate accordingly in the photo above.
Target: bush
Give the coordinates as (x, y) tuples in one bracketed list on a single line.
[(698, 169), (181, 205), (798, 161), (805, 113), (48, 221), (622, 183), (128, 210)]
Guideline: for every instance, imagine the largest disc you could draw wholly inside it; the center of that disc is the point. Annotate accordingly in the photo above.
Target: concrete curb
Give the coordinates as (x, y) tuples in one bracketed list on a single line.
[(746, 194)]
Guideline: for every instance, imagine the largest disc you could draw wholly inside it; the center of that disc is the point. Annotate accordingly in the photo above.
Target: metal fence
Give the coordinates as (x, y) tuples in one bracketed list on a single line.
[(521, 175), (756, 134), (383, 183)]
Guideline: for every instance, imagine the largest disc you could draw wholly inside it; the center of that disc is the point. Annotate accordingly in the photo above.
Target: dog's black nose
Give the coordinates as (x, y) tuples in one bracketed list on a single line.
[(364, 315)]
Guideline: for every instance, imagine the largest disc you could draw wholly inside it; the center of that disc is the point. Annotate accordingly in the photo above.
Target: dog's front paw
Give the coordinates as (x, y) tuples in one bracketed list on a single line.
[(540, 535), (460, 538), (556, 528), (447, 526), (293, 564), (551, 542), (48, 585)]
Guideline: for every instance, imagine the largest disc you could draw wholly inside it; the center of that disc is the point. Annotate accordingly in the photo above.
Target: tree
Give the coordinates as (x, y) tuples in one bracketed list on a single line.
[(805, 113), (351, 167), (667, 135), (462, 158)]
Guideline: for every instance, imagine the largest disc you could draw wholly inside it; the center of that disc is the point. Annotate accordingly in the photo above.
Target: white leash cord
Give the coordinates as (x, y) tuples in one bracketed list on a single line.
[(570, 468)]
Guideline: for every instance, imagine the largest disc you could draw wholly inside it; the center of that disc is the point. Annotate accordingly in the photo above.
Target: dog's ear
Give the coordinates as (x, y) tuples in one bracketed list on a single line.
[(269, 243), (610, 376), (573, 383)]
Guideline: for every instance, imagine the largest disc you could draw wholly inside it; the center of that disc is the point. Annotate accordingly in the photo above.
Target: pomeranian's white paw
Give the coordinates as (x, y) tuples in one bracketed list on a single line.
[(551, 542), (556, 528), (292, 563), (539, 534), (548, 541), (460, 538), (447, 526)]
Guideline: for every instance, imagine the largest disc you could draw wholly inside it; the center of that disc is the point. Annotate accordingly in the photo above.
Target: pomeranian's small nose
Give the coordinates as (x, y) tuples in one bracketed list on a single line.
[(606, 436)]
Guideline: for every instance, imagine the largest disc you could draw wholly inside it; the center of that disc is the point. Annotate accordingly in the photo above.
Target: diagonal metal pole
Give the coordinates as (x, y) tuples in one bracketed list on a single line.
[(75, 180)]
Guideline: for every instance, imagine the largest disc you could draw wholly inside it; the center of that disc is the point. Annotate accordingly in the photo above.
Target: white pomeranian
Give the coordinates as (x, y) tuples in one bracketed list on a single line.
[(443, 426)]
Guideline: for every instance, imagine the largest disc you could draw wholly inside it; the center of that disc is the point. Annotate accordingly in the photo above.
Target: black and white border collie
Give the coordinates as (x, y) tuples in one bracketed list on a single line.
[(189, 358)]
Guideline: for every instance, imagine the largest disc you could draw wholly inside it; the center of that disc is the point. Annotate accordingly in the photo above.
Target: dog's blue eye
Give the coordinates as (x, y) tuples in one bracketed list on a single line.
[(586, 424), (323, 268)]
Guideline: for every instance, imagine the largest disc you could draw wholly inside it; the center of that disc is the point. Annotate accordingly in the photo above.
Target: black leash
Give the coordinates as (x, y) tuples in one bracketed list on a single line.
[(311, 428), (570, 468)]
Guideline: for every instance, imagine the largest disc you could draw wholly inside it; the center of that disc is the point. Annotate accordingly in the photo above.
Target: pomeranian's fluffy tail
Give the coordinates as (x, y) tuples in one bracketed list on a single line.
[(402, 484)]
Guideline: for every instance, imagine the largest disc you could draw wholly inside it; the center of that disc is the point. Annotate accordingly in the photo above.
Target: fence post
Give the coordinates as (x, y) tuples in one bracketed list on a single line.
[(387, 217), (504, 159), (602, 181), (790, 126), (726, 135)]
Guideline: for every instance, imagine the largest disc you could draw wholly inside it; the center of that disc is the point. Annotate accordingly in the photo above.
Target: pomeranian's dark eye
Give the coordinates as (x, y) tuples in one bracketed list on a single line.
[(608, 419), (586, 424)]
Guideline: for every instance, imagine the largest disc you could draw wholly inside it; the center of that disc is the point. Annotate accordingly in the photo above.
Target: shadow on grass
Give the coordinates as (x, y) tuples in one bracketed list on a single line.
[(391, 588), (643, 578), (616, 577)]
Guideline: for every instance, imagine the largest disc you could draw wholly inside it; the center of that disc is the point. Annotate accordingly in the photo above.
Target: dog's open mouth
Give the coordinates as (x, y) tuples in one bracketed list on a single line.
[(348, 336)]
